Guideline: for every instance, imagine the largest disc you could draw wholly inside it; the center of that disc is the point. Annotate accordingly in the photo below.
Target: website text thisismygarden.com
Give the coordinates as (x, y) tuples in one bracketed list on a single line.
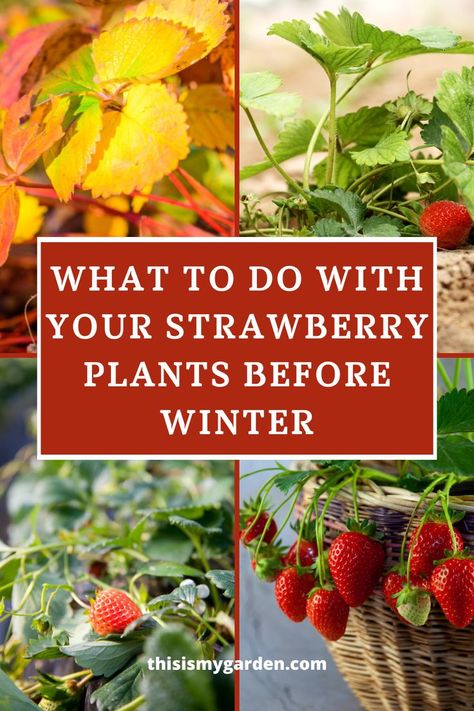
[(229, 666)]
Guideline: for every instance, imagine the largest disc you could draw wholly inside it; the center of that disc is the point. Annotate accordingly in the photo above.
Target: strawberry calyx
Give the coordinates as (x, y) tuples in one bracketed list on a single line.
[(269, 560), (450, 554), (365, 526)]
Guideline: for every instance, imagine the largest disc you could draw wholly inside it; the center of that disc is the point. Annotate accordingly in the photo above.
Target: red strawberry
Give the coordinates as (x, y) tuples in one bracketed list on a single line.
[(291, 592), (448, 221), (452, 584), (308, 553), (328, 613), (429, 544), (356, 564), (112, 611), (394, 583), (254, 528)]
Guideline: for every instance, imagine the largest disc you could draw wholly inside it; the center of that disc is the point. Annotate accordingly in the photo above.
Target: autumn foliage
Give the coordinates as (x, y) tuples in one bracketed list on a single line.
[(121, 111)]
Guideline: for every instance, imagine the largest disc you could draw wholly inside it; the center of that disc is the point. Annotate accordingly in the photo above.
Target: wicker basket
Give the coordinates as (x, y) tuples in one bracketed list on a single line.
[(389, 665)]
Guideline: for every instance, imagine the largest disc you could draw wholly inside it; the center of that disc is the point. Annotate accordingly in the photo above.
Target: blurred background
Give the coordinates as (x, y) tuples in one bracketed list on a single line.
[(266, 632), (303, 76)]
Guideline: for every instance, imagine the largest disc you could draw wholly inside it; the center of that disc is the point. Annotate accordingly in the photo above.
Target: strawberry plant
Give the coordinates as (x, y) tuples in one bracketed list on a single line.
[(403, 167), (328, 571), (105, 565), (103, 134)]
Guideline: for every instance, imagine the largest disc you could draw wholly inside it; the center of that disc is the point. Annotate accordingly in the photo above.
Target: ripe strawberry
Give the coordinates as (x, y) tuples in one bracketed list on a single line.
[(429, 544), (394, 583), (291, 592), (254, 527), (308, 553), (356, 564), (328, 613), (112, 611), (448, 221), (452, 584)]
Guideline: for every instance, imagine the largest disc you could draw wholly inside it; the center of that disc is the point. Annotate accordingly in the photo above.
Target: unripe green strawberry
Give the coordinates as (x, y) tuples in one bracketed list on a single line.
[(291, 593), (49, 705), (448, 221), (328, 613), (268, 563), (414, 606), (112, 611), (393, 583)]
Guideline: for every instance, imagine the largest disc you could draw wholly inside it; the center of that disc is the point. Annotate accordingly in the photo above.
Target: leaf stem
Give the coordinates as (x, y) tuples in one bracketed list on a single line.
[(444, 375), (135, 704), (332, 128), (270, 157)]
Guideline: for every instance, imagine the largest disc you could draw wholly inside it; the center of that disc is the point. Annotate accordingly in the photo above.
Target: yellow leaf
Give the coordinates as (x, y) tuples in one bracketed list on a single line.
[(139, 144), (67, 161), (30, 219), (139, 202), (98, 223), (210, 116), (205, 18), (146, 49), (9, 210)]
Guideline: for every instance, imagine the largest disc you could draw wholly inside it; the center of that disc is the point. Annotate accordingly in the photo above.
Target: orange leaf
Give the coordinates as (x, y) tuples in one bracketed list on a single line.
[(28, 132), (9, 212)]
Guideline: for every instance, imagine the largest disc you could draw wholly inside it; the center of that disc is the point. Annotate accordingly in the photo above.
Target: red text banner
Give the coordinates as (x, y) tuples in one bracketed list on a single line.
[(236, 348)]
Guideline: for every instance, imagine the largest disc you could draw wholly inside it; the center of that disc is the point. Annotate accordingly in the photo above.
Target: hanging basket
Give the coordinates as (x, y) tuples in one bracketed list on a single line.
[(389, 665)]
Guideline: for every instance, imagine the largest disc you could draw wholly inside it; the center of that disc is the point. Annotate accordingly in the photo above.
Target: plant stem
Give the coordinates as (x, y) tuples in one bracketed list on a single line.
[(332, 145), (310, 149), (444, 504), (382, 210), (468, 373), (444, 375), (457, 372), (270, 157), (135, 704)]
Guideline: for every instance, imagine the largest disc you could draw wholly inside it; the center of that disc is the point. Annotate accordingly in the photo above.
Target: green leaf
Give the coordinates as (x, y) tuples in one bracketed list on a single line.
[(455, 454), (104, 657), (224, 580), (347, 204), (435, 37), (169, 543), (192, 527), (432, 131), (12, 698), (328, 227), (335, 58), (342, 465), (364, 127), (121, 690), (257, 91), (286, 482), (381, 226), (293, 140), (455, 167), (170, 690), (169, 570), (391, 148), (456, 412), (73, 76), (43, 649), (455, 97)]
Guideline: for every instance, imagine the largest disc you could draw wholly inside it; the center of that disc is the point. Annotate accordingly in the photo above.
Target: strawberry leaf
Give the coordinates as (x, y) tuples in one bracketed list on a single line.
[(456, 412), (182, 689), (104, 657), (455, 167), (347, 204), (456, 98), (390, 149), (9, 213), (364, 127), (455, 454), (257, 91), (224, 580), (121, 690), (12, 698)]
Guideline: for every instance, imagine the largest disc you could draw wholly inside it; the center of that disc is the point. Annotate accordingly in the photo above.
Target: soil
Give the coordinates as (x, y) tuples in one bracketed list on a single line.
[(456, 301)]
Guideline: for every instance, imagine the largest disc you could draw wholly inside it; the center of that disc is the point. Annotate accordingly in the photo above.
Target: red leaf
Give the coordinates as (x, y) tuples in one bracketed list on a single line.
[(34, 52), (9, 211)]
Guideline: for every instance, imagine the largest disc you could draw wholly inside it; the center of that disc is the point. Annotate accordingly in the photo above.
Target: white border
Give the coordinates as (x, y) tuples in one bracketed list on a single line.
[(237, 240)]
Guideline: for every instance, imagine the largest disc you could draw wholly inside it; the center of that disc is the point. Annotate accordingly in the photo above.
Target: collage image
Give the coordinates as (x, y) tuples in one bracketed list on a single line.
[(301, 584)]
